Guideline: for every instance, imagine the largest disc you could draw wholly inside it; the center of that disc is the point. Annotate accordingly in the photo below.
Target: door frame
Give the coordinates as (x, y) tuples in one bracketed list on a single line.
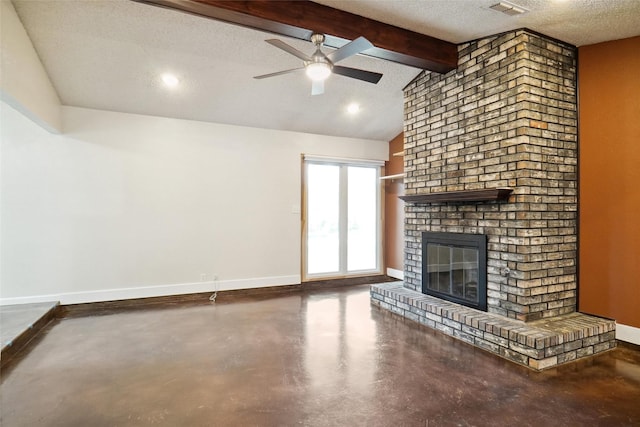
[(341, 161)]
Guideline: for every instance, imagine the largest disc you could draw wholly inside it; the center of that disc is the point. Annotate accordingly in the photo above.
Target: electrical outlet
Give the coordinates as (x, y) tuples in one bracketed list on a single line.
[(203, 277), (214, 277)]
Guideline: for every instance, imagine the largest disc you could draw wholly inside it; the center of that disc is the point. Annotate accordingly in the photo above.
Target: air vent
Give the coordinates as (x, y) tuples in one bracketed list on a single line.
[(509, 8)]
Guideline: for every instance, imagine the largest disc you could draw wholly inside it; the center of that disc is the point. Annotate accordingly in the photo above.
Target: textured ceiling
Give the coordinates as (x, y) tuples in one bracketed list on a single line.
[(578, 22), (109, 55)]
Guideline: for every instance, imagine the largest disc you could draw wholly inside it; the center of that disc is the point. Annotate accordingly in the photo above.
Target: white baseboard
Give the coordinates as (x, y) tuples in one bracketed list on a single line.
[(628, 333), (154, 291), (396, 274)]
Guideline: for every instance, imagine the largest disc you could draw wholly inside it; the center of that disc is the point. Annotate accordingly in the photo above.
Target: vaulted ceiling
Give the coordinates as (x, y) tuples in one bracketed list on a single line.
[(110, 55)]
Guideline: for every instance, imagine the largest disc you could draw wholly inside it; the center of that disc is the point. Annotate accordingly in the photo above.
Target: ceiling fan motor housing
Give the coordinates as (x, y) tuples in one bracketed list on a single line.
[(319, 56), (317, 39)]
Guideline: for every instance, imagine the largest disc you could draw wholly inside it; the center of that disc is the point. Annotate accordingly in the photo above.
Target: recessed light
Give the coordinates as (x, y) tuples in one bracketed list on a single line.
[(353, 108), (170, 80)]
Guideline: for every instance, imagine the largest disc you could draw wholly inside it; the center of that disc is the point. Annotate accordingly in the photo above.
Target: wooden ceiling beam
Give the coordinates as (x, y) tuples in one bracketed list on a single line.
[(300, 19)]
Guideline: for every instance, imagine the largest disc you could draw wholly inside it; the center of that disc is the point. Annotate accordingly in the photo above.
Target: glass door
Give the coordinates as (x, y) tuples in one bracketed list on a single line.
[(323, 219), (342, 219)]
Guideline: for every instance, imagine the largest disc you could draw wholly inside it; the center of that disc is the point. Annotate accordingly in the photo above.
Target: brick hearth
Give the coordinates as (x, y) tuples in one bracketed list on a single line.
[(539, 345), (506, 117)]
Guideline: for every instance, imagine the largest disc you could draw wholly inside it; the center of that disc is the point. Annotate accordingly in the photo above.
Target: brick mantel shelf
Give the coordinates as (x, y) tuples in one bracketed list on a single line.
[(483, 195)]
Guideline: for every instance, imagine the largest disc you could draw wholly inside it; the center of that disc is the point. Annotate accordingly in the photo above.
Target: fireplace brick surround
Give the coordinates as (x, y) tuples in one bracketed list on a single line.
[(506, 117)]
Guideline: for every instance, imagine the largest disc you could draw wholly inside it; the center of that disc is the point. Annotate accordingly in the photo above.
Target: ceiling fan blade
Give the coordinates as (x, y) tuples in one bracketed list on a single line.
[(278, 73), (289, 49), (354, 73), (317, 87), (356, 46)]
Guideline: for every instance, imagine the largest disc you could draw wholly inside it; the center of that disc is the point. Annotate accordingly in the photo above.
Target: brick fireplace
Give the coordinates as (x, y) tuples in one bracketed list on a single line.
[(491, 149)]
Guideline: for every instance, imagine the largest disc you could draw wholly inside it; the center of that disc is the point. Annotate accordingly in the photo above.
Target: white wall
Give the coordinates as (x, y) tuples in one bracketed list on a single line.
[(125, 206), (24, 84)]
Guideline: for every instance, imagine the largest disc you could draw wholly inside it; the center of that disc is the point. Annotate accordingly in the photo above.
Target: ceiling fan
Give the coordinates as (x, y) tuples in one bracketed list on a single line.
[(319, 66)]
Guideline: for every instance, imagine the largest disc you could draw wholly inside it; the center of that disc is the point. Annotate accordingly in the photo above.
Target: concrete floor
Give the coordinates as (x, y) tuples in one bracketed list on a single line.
[(314, 358)]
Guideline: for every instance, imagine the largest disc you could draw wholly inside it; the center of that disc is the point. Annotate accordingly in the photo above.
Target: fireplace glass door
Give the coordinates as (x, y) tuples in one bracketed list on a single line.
[(453, 270), (454, 267)]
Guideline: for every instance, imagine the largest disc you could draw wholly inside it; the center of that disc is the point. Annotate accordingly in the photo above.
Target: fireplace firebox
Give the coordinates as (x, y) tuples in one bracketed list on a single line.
[(454, 267)]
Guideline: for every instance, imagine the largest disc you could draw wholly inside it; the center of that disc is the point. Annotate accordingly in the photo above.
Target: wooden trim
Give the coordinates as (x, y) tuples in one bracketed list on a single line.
[(364, 279), (9, 352), (484, 195), (299, 19)]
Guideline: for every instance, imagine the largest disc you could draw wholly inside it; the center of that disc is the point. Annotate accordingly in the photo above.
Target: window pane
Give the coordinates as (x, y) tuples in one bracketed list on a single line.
[(323, 214), (362, 234), (471, 274), (433, 267), (444, 263), (457, 272)]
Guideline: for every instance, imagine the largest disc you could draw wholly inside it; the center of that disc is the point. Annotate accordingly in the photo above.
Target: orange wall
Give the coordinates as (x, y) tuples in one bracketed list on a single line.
[(394, 207), (609, 237)]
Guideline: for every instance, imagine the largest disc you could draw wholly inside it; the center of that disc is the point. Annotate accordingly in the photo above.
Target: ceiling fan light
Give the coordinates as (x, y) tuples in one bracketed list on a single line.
[(318, 71)]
